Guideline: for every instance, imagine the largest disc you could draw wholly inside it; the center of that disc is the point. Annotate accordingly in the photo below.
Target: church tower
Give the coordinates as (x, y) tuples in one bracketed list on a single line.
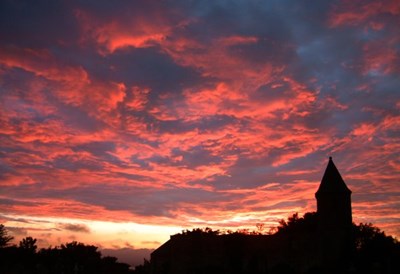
[(334, 218)]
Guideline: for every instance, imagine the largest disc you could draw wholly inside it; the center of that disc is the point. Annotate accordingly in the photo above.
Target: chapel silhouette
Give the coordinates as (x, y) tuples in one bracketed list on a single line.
[(334, 217), (322, 243)]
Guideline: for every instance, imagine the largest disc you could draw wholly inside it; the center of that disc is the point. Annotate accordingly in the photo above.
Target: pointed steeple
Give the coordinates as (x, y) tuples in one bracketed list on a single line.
[(334, 217), (332, 181)]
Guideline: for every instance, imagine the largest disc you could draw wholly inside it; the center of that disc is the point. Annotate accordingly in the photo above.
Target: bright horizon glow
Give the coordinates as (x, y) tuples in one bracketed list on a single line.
[(112, 234)]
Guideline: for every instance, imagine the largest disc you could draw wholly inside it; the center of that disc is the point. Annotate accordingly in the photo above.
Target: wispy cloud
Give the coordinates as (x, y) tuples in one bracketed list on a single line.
[(75, 227)]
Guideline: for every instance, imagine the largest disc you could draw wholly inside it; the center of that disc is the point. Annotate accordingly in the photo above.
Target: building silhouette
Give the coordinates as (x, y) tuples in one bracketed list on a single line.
[(322, 243), (334, 218)]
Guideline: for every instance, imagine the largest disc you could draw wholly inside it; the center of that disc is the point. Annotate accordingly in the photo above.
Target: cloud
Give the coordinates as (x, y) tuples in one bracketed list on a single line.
[(151, 242), (17, 231), (350, 13), (208, 113), (75, 227)]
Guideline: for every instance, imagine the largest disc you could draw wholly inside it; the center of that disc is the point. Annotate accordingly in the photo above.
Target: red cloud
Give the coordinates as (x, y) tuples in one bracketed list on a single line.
[(137, 31), (69, 83), (356, 12), (41, 63), (237, 139), (379, 61)]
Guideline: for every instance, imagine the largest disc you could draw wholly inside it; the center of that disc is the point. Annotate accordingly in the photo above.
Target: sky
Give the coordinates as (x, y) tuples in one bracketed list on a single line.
[(123, 122)]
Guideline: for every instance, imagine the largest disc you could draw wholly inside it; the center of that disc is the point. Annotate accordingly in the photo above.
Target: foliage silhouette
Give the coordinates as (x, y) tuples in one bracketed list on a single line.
[(374, 252), (28, 244), (4, 237), (144, 268), (307, 223), (69, 258)]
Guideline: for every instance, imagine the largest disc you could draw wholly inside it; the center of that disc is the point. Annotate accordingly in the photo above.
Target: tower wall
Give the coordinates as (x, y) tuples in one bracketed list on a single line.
[(334, 219), (334, 209)]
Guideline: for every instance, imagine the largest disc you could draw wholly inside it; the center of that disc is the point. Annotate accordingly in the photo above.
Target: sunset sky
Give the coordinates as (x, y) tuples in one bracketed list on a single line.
[(123, 122)]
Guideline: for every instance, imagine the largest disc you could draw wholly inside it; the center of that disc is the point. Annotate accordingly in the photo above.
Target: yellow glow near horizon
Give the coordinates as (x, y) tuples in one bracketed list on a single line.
[(102, 233)]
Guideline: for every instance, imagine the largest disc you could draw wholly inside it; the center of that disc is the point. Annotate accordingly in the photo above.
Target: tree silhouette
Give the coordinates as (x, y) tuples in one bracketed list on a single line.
[(144, 268), (28, 244), (69, 258), (307, 223), (375, 251), (4, 237), (78, 258)]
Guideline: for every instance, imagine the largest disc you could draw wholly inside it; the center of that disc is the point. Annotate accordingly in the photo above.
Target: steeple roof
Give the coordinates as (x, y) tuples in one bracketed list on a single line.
[(332, 181)]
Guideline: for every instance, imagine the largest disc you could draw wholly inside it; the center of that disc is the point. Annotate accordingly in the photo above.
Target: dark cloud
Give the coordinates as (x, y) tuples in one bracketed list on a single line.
[(99, 149), (5, 202), (77, 118), (17, 231), (28, 25), (148, 67), (72, 164), (75, 227)]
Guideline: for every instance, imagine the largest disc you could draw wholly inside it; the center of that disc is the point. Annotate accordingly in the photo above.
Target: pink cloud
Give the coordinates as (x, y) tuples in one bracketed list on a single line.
[(364, 130), (356, 12), (377, 60), (238, 135), (139, 31), (139, 99), (42, 63), (68, 209)]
